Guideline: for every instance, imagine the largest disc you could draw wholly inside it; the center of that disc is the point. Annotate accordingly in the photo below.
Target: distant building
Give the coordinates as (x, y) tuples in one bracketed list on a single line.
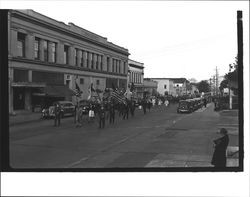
[(135, 76), (172, 86), (150, 87), (47, 58), (165, 86), (181, 86)]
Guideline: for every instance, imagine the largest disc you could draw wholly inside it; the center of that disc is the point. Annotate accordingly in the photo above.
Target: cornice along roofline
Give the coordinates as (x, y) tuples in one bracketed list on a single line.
[(68, 29)]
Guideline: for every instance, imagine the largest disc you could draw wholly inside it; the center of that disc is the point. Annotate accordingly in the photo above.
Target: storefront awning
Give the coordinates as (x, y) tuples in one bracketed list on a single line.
[(55, 91), (28, 84)]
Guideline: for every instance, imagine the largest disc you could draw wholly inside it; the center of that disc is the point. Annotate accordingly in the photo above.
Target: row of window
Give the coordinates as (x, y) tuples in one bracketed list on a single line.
[(135, 77), (82, 58)]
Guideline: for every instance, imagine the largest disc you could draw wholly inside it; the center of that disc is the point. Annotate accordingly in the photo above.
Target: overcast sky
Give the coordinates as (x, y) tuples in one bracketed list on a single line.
[(172, 39)]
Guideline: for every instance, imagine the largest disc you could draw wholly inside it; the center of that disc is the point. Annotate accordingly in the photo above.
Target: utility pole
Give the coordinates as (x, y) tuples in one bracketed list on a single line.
[(216, 81)]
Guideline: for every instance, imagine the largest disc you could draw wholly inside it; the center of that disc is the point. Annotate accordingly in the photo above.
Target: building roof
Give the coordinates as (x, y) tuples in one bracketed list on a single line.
[(175, 80), (135, 64), (71, 27)]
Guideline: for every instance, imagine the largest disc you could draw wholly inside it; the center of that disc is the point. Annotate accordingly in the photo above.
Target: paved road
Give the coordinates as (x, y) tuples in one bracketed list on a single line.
[(161, 138)]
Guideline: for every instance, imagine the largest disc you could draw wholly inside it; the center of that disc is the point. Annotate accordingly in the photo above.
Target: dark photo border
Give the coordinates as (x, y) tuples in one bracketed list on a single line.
[(4, 121)]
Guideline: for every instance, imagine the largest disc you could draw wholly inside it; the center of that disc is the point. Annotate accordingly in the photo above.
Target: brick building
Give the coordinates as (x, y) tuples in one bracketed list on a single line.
[(47, 58)]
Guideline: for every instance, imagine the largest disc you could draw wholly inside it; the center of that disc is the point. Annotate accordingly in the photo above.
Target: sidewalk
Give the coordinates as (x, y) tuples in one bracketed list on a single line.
[(229, 120), (24, 117)]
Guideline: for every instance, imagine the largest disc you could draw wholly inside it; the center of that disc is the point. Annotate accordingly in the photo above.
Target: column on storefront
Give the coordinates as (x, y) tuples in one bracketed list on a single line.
[(13, 43), (41, 50), (29, 46), (104, 63), (10, 90)]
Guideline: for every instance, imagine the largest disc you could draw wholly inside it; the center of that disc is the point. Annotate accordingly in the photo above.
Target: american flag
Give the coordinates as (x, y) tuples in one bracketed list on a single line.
[(78, 90), (117, 97)]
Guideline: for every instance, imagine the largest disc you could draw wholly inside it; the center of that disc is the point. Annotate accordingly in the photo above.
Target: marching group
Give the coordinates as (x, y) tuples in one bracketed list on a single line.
[(105, 111)]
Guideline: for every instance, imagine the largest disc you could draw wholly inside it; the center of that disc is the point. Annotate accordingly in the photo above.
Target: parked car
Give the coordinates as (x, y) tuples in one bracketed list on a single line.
[(185, 106), (67, 109)]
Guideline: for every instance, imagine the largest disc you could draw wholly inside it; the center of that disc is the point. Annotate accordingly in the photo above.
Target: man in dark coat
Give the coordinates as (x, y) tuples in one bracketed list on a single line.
[(144, 105), (220, 146), (125, 110), (102, 115), (57, 114), (111, 113), (205, 102), (132, 108)]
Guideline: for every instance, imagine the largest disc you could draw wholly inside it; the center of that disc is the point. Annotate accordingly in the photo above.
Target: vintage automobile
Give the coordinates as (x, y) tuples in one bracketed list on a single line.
[(185, 106), (67, 109)]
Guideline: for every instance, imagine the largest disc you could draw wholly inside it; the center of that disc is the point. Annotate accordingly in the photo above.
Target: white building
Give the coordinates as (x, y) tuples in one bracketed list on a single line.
[(165, 86)]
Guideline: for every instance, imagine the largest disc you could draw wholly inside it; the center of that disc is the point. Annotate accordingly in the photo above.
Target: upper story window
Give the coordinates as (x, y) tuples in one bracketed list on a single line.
[(81, 80), (76, 57), (97, 82), (53, 50), (36, 48), (101, 62), (87, 58), (124, 67), (21, 44), (97, 62), (165, 86), (82, 59), (66, 54), (108, 64), (91, 60), (45, 48), (119, 66)]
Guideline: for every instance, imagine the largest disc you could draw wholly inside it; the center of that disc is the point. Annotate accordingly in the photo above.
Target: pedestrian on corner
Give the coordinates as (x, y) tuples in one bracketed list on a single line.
[(219, 158)]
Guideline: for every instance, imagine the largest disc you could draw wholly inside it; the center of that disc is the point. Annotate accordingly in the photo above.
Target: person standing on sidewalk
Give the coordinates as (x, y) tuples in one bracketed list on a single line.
[(219, 158), (57, 114)]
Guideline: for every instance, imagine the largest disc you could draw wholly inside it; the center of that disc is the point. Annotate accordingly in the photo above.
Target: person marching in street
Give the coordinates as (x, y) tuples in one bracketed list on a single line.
[(91, 113), (149, 104), (219, 158), (125, 110), (205, 102), (144, 105), (111, 113), (132, 108), (102, 116), (57, 120), (78, 116)]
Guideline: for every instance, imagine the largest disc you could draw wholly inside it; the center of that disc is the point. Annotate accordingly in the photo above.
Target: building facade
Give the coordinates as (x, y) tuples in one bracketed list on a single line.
[(165, 86), (136, 76), (48, 59), (181, 86), (150, 87), (172, 86)]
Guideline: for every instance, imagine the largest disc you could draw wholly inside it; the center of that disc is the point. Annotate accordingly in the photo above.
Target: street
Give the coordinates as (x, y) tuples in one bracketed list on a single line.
[(160, 138)]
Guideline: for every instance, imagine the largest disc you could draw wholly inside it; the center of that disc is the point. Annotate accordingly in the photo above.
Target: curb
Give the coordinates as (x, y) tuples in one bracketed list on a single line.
[(24, 122)]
